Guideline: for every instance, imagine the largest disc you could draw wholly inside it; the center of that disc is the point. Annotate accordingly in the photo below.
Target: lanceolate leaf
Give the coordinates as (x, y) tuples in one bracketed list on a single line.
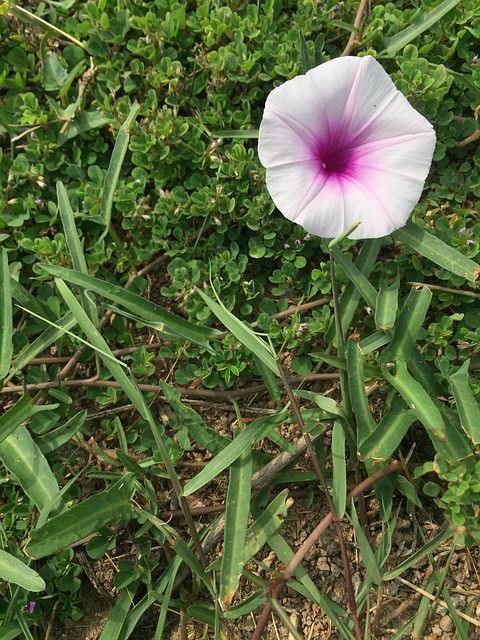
[(100, 510), (6, 345), (467, 405), (236, 520), (15, 571), (387, 304), (421, 24), (407, 326), (437, 251), (149, 312), (22, 457), (356, 389)]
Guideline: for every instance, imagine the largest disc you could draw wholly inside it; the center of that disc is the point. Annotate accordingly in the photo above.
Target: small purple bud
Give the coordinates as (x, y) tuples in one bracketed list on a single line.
[(298, 243), (307, 237), (8, 20), (29, 607), (463, 230), (227, 16), (335, 9), (475, 59), (38, 201), (32, 135), (470, 242), (286, 245)]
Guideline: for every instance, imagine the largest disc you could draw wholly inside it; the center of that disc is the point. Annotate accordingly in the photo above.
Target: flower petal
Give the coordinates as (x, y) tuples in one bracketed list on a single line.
[(340, 145)]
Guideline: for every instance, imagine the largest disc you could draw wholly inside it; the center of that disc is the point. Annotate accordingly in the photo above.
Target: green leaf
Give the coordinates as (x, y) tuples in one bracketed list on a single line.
[(429, 547), (233, 450), (236, 133), (408, 325), (305, 54), (388, 434), (356, 286), (17, 572), (61, 435), (21, 411), (75, 248), (329, 405), (106, 508), (374, 572), (150, 313), (266, 524), (387, 304), (421, 24), (119, 613), (437, 251), (467, 404), (366, 424), (6, 330), (113, 172), (43, 25), (339, 468), (236, 520), (96, 339), (83, 122), (44, 340), (22, 457), (242, 332), (417, 399)]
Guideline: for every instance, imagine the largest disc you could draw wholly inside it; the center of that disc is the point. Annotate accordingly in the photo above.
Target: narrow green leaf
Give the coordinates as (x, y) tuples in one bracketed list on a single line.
[(21, 411), (305, 54), (329, 405), (437, 251), (6, 329), (421, 24), (417, 399), (384, 440), (373, 342), (82, 122), (236, 133), (408, 490), (59, 436), (43, 25), (113, 172), (339, 468), (115, 368), (29, 301), (408, 325), (119, 613), (183, 550), (429, 547), (366, 424), (232, 451), (17, 572), (467, 405), (75, 248), (40, 344), (387, 304), (106, 508), (266, 524), (22, 457), (359, 279), (242, 332), (352, 293), (236, 520), (150, 313), (374, 572)]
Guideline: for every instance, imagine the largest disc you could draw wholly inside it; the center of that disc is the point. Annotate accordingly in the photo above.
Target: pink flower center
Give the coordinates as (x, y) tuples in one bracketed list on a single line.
[(334, 159)]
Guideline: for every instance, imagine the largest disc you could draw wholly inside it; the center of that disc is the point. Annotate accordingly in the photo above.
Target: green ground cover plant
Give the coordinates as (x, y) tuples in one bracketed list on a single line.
[(142, 257)]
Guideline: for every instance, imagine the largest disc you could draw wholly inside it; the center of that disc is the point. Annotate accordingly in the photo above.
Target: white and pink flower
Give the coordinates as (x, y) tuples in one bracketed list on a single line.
[(342, 145)]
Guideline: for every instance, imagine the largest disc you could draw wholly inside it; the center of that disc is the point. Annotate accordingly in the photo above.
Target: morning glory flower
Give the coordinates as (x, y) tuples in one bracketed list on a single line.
[(342, 145)]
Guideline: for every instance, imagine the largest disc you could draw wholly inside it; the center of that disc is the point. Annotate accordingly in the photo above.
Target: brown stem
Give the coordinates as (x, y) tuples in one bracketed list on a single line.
[(355, 36), (194, 393)]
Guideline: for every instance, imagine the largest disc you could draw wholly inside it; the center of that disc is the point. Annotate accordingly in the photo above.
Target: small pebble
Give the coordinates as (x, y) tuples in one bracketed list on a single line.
[(446, 623)]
